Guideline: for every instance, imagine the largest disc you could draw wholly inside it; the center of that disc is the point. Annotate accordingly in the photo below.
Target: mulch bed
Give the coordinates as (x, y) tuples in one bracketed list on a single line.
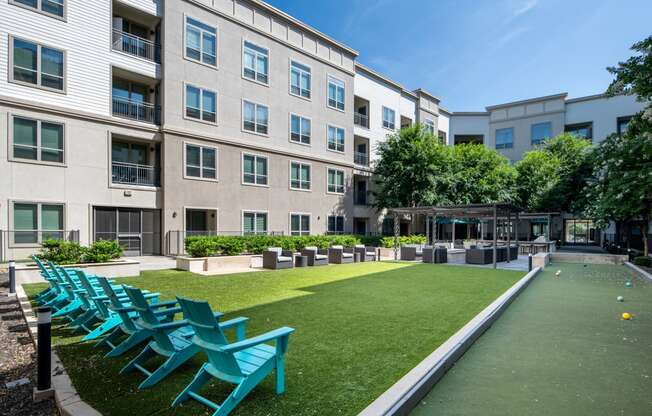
[(17, 361)]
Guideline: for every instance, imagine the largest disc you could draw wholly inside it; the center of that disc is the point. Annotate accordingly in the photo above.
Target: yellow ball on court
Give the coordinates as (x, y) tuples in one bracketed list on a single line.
[(627, 316)]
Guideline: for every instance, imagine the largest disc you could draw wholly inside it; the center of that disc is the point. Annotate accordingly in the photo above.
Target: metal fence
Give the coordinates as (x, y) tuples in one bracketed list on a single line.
[(360, 158), (136, 46), (20, 244), (134, 174), (136, 110), (361, 120)]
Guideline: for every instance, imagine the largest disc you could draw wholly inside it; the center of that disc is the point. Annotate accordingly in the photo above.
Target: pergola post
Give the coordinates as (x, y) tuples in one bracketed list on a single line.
[(453, 236), (516, 232), (509, 234), (436, 229), (396, 232), (495, 234), (428, 229), (548, 230)]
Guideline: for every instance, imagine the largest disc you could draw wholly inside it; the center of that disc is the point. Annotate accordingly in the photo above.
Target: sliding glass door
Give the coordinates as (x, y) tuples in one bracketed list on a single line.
[(137, 230)]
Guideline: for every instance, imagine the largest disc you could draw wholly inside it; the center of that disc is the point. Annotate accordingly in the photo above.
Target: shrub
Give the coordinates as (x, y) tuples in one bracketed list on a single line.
[(645, 261), (388, 242), (103, 251), (200, 247), (61, 252)]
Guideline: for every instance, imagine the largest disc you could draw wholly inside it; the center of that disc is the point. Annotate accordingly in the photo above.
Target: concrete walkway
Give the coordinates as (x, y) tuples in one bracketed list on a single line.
[(154, 262)]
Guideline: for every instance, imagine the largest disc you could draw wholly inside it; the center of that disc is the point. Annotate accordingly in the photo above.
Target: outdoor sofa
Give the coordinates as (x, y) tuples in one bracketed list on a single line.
[(340, 255), (277, 258), (366, 253), (316, 256), (411, 252)]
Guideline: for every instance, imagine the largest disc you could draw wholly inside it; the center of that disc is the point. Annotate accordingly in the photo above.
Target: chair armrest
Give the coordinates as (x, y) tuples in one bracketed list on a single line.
[(163, 304), (238, 324), (268, 336), (287, 253), (122, 309), (171, 326), (168, 311)]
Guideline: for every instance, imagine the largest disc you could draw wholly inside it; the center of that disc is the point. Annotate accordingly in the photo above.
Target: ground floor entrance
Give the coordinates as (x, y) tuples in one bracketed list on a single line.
[(137, 230), (580, 231)]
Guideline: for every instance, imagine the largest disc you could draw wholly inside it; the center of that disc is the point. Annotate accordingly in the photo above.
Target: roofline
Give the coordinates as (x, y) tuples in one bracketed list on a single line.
[(470, 113), (424, 92), (527, 101), (304, 26), (445, 111), (391, 82)]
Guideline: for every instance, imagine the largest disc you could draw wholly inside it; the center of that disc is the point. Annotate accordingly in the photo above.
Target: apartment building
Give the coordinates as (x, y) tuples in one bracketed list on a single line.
[(146, 121)]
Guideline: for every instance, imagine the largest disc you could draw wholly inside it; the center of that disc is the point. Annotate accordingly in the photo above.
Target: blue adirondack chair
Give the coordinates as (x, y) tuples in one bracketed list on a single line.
[(244, 363), (170, 340)]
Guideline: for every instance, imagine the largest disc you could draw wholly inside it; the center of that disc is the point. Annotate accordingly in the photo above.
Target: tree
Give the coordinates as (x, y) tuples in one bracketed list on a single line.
[(622, 186), (634, 76), (553, 176), (415, 169)]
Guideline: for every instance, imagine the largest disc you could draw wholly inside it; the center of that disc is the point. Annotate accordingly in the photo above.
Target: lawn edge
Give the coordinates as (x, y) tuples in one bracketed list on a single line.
[(638, 270), (406, 393), (66, 397)]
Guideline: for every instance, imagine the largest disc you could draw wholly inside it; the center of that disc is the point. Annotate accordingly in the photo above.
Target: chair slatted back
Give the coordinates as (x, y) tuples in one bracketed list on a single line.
[(127, 323), (92, 292), (148, 319), (207, 330)]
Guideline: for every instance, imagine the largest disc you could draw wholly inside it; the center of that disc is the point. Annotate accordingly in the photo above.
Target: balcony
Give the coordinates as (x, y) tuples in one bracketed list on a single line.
[(361, 120), (136, 46), (360, 158), (134, 174), (136, 110), (362, 197)]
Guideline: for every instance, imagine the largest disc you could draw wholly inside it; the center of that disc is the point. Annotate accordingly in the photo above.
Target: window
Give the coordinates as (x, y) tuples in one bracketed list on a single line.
[(256, 62), (442, 136), (254, 117), (504, 138), (428, 124), (201, 104), (335, 93), (335, 224), (299, 176), (335, 181), (299, 224), (254, 222), (37, 140), (201, 42), (201, 162), (299, 129), (622, 123), (539, 132), (388, 226), (335, 139), (51, 7), (254, 169), (35, 222), (37, 65), (389, 119), (299, 80), (581, 129)]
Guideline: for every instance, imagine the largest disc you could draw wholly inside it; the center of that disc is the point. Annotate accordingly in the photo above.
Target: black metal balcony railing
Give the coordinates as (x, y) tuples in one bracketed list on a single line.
[(361, 120), (360, 158), (362, 198), (136, 110), (136, 46), (134, 174)]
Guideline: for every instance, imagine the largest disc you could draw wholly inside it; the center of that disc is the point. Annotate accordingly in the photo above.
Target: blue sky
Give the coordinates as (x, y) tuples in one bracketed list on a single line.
[(475, 53)]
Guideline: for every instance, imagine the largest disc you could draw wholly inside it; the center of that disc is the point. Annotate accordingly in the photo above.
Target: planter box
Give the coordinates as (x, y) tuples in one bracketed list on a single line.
[(540, 260), (218, 263), (30, 273), (590, 258)]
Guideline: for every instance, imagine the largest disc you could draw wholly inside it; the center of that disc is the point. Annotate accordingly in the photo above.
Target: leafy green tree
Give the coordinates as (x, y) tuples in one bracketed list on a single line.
[(634, 76)]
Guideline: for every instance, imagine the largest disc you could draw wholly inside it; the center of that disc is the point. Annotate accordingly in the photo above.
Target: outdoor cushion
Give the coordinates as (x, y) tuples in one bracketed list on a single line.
[(320, 256), (359, 246), (338, 247), (284, 258), (347, 254), (370, 253), (311, 248), (276, 249)]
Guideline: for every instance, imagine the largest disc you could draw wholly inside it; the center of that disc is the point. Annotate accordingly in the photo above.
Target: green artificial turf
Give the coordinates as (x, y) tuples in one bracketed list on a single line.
[(561, 348), (359, 328)]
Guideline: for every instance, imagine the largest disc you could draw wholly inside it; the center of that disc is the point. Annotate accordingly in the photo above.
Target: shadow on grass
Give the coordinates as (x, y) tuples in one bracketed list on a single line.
[(354, 338)]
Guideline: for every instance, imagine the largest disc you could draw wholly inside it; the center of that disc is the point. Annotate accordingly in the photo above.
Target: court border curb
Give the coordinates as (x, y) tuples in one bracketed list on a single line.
[(638, 270)]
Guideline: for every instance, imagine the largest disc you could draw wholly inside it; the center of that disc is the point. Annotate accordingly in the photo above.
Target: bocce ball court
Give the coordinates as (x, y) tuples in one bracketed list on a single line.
[(561, 348)]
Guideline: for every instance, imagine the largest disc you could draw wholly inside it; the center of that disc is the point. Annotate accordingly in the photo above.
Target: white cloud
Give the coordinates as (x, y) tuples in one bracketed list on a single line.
[(524, 7)]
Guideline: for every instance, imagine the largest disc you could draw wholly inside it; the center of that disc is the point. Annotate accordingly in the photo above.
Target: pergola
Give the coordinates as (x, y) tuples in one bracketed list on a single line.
[(479, 211)]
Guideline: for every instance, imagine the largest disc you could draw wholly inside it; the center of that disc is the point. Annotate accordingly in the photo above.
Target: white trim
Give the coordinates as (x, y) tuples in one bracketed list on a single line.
[(200, 178), (39, 46), (290, 129), (343, 181), (382, 118), (328, 77), (39, 121), (39, 9), (301, 164), (301, 233), (253, 211), (201, 103), (291, 60), (327, 142), (242, 72), (244, 153), (242, 119), (38, 203), (217, 46)]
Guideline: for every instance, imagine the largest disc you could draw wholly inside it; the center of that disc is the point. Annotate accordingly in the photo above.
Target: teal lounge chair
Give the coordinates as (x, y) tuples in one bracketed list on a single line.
[(244, 363)]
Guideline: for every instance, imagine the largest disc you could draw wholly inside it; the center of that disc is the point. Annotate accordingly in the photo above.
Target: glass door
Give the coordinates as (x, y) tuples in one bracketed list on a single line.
[(579, 231)]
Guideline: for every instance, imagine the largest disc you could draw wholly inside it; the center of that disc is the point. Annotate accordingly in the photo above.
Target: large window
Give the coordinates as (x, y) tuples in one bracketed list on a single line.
[(622, 123), (37, 140), (584, 130), (335, 139), (300, 129), (335, 224), (335, 181), (299, 176), (255, 117), (540, 131), (299, 224), (505, 138), (201, 162), (254, 169), (201, 42), (37, 65), (254, 222), (54, 8), (201, 104), (335, 93), (389, 119), (428, 124), (299, 80), (35, 222), (256, 63)]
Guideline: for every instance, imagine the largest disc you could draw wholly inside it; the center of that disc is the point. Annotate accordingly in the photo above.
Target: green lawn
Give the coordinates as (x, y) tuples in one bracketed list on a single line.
[(359, 328)]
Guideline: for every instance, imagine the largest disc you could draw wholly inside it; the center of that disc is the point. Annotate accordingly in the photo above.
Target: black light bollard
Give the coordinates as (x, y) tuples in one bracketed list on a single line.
[(12, 277), (529, 262), (43, 388)]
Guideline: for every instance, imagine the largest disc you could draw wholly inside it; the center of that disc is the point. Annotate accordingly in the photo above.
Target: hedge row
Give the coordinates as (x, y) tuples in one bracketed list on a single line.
[(66, 252), (645, 261), (204, 246)]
